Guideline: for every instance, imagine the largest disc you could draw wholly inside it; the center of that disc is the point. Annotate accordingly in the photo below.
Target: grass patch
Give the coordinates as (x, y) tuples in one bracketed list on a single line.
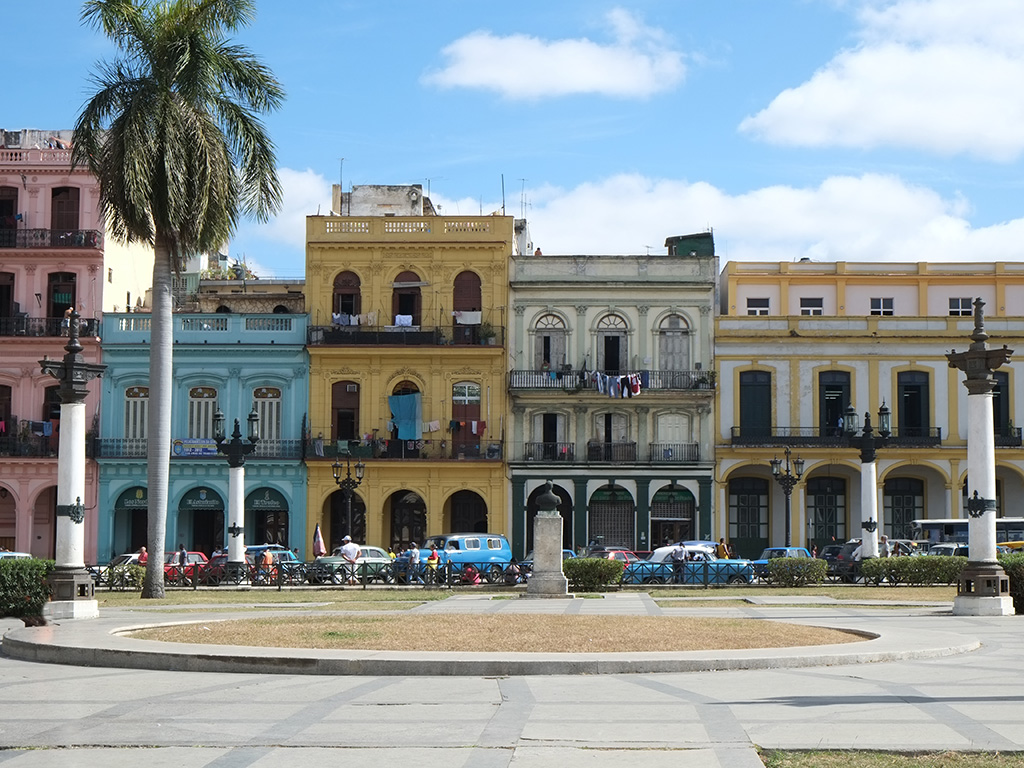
[(857, 759), (836, 591), (537, 633)]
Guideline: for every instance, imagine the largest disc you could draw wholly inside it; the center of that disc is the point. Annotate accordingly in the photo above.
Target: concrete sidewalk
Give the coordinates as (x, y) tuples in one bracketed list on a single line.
[(929, 693)]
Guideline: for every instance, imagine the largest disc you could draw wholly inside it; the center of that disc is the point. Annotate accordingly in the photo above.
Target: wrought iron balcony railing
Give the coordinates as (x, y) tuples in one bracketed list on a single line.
[(423, 450), (51, 238), (831, 437), (135, 448), (571, 380), (44, 326), (405, 335)]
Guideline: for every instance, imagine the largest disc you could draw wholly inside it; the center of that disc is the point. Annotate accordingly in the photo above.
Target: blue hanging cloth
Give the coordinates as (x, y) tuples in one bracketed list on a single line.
[(408, 415)]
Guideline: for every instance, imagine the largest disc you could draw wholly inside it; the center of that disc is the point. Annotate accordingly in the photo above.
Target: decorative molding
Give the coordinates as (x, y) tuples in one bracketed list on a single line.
[(643, 309), (520, 309), (705, 309), (30, 269), (581, 309), (580, 409)]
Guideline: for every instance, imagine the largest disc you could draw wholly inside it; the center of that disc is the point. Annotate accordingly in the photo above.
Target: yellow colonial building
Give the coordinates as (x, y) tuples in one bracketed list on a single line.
[(797, 344), (407, 368)]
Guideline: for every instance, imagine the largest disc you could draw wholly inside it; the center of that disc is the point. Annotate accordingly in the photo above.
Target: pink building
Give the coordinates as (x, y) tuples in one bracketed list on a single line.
[(51, 258)]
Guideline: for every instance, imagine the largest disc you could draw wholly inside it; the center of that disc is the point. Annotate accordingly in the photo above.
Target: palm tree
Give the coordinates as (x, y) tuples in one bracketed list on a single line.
[(173, 135)]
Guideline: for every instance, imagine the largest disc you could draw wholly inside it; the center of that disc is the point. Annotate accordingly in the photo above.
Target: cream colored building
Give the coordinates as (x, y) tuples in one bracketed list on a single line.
[(797, 343), (631, 471)]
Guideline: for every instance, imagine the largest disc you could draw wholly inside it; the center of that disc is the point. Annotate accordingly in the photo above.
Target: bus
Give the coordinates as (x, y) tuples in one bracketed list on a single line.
[(955, 529)]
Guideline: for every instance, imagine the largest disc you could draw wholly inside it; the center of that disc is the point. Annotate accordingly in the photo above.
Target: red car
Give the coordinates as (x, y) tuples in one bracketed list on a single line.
[(176, 573)]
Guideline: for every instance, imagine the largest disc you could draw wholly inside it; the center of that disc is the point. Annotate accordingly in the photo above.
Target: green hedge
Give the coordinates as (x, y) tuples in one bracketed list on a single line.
[(589, 574), (913, 571), (1014, 566), (796, 571), (23, 587)]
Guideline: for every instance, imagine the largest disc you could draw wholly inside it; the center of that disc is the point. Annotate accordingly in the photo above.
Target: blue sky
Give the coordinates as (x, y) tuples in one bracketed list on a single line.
[(861, 130)]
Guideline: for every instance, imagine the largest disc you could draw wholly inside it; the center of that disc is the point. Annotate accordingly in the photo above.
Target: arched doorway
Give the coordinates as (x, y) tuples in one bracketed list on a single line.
[(339, 526), (748, 515), (44, 524), (406, 405), (201, 520), (347, 301), (408, 518), (267, 508), (611, 518), (466, 307), (131, 516), (672, 513), (564, 509), (467, 512), (8, 523), (406, 302)]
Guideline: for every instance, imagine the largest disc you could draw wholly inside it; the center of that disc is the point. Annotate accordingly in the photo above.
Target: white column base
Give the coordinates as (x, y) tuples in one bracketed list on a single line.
[(971, 605), (59, 610)]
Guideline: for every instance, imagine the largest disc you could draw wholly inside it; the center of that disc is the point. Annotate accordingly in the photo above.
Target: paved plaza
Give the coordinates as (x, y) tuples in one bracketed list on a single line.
[(928, 681)]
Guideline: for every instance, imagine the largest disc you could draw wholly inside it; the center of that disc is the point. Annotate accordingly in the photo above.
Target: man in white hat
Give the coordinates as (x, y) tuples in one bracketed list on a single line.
[(350, 552)]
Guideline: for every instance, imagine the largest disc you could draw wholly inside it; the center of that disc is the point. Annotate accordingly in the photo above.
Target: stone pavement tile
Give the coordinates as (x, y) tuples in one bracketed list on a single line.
[(844, 733), (429, 725), (577, 757), (169, 757)]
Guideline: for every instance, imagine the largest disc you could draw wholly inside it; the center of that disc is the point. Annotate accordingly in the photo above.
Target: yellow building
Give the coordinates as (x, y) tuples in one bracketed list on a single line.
[(797, 344), (407, 368)]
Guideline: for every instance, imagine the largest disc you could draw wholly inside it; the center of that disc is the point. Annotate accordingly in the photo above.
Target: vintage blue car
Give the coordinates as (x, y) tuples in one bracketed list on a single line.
[(771, 553), (700, 567)]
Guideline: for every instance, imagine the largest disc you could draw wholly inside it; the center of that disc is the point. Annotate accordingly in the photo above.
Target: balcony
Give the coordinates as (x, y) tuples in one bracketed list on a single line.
[(419, 450), (183, 448), (569, 380), (675, 453), (1008, 437), (51, 238), (29, 446), (189, 328), (658, 453), (828, 437), (405, 335), (44, 326)]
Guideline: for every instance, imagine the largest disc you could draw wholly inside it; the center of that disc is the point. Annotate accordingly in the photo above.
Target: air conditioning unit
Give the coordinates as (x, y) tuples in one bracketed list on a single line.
[(352, 388)]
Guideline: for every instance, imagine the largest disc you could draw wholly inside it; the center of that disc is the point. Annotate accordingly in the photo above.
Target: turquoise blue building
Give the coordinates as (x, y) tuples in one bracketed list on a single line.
[(236, 363)]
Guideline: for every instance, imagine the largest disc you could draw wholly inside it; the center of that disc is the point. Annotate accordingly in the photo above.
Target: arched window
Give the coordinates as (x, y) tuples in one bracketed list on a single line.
[(826, 510), (674, 344), (406, 302), (345, 410), (6, 298), (8, 222), (202, 403), (347, 299), (64, 211), (60, 293), (467, 438), (612, 350), (748, 515), (136, 413), (549, 343), (267, 401), (406, 407)]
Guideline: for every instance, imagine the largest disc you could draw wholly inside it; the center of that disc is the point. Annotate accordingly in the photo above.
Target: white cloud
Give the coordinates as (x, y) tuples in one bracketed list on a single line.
[(845, 218), (305, 193), (637, 63), (938, 75)]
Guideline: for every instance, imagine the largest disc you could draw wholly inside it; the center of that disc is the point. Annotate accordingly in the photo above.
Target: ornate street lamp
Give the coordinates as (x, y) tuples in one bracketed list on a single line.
[(867, 443), (347, 484), (235, 450), (73, 590), (788, 478)]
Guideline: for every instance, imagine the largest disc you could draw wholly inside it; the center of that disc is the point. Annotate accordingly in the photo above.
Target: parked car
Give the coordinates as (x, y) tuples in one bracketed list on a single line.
[(218, 569), (373, 563), (829, 553), (771, 553), (176, 573), (15, 556), (487, 553), (701, 567), (949, 549)]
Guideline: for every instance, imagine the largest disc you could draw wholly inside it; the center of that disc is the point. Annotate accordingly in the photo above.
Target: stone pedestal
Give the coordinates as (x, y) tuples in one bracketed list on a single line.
[(73, 590), (547, 579), (983, 590)]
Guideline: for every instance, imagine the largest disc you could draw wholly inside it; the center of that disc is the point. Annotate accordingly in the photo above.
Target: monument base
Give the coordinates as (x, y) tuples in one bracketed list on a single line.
[(971, 605), (59, 610), (547, 585), (983, 590)]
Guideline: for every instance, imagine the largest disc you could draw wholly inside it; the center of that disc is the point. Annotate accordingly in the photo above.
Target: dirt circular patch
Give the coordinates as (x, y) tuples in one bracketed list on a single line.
[(503, 634)]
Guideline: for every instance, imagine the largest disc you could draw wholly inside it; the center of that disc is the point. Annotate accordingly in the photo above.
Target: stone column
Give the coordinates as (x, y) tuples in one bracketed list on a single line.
[(236, 514), (983, 589)]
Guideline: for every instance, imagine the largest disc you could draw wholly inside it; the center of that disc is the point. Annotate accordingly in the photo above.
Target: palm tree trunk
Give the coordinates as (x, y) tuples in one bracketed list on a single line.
[(158, 453)]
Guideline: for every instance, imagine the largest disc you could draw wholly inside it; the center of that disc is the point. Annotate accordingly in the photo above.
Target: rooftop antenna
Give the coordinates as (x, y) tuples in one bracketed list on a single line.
[(503, 194), (522, 201), (648, 249)]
